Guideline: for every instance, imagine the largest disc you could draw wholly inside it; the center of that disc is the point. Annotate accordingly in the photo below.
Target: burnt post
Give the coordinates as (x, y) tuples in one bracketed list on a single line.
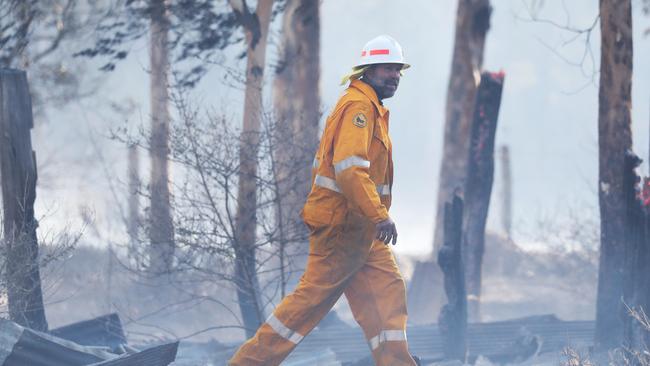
[(18, 173), (453, 316), (478, 187)]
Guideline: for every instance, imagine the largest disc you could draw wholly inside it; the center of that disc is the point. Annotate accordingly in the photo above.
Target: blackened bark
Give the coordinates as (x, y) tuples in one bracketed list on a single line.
[(478, 187), (161, 230), (453, 316), (296, 102), (614, 139), (18, 172), (636, 270), (472, 24)]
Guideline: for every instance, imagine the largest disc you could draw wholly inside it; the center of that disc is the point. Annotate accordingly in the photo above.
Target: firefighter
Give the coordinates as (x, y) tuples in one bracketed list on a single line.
[(350, 228)]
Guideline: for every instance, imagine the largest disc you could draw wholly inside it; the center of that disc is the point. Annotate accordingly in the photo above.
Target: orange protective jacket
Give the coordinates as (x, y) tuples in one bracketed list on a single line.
[(353, 168)]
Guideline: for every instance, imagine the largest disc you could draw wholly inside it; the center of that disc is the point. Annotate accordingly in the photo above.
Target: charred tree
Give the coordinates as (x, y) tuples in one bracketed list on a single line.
[(161, 229), (478, 187), (637, 256), (506, 192), (472, 24), (452, 320), (256, 26), (296, 101), (18, 172), (614, 139)]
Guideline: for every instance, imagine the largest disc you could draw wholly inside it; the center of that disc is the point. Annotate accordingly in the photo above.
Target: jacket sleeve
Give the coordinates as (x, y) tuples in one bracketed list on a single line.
[(351, 163)]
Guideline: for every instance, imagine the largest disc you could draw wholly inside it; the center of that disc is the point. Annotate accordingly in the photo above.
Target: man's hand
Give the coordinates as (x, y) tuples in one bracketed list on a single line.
[(386, 231)]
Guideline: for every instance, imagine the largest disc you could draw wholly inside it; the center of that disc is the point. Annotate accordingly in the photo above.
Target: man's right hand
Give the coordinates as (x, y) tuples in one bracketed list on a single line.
[(386, 231)]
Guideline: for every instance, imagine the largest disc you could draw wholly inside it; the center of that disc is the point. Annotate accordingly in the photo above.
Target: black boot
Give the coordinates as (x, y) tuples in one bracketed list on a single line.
[(417, 360)]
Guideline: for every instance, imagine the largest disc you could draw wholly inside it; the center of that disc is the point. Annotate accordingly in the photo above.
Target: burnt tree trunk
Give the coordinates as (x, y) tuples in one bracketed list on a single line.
[(506, 192), (18, 172), (478, 187), (453, 316), (161, 229), (256, 27), (614, 139), (472, 24), (636, 270), (296, 101)]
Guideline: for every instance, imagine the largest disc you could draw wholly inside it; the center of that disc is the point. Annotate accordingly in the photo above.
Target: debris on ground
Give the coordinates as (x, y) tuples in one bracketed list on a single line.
[(95, 342)]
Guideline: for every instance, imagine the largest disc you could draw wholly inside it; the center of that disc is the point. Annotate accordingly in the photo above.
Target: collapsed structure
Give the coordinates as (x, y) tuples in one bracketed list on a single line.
[(96, 342)]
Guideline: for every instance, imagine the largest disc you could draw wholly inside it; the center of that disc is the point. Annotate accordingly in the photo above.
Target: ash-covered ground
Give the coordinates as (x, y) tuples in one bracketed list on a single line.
[(204, 313)]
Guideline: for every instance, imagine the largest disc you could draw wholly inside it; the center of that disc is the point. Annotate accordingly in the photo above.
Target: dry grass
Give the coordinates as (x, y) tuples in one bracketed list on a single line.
[(575, 358)]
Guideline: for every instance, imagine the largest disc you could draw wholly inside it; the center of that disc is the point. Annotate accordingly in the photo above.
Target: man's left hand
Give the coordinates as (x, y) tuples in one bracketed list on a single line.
[(386, 231)]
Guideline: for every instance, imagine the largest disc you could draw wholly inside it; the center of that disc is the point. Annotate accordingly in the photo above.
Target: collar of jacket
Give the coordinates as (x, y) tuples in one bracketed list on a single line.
[(368, 91)]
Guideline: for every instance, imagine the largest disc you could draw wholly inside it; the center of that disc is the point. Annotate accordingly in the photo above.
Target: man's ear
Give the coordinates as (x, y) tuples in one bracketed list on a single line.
[(370, 71)]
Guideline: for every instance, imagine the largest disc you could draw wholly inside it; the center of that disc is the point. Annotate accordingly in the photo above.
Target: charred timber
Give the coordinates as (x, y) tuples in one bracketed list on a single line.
[(453, 316), (478, 187)]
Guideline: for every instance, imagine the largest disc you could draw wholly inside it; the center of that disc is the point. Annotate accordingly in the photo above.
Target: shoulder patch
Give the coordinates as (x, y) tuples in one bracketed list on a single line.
[(360, 120)]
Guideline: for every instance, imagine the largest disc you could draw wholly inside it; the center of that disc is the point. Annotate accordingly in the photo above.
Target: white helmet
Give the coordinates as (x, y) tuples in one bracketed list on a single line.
[(381, 50)]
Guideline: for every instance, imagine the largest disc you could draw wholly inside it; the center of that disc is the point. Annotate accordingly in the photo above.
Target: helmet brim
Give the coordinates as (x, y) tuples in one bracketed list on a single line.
[(404, 65)]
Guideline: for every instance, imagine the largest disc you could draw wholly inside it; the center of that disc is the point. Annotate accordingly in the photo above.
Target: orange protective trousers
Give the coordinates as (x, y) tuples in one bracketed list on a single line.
[(343, 259)]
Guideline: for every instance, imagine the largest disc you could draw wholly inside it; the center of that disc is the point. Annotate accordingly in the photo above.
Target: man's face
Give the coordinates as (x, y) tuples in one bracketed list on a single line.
[(384, 78)]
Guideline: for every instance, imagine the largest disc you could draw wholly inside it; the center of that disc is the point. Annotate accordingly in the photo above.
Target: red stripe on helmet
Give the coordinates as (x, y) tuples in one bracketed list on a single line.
[(379, 52)]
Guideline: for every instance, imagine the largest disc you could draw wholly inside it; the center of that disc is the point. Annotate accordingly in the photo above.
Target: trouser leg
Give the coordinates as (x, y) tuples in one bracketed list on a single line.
[(335, 255), (377, 297)]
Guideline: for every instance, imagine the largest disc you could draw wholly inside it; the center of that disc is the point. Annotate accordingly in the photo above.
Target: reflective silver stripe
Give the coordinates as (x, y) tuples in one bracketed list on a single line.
[(383, 189), (325, 182), (286, 333), (350, 162), (316, 163), (386, 336), (329, 183)]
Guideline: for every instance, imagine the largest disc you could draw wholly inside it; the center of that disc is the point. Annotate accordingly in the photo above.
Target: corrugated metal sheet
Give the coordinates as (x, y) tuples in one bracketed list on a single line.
[(483, 338), (101, 331), (21, 346), (33, 350), (161, 355)]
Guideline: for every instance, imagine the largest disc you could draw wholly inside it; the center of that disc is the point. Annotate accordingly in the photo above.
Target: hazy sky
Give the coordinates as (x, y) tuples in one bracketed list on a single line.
[(548, 113)]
